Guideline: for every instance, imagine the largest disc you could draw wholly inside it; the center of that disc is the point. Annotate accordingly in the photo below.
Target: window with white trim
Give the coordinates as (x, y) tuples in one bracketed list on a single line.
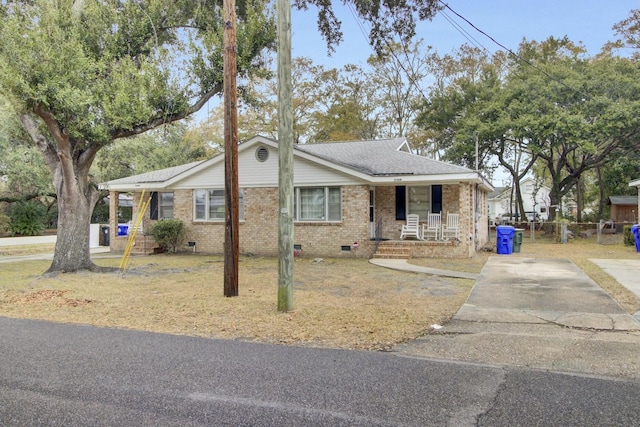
[(318, 204), (165, 206), (209, 205), (419, 200)]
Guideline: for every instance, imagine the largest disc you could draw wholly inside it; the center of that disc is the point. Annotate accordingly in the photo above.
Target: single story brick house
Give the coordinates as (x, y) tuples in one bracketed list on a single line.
[(345, 192)]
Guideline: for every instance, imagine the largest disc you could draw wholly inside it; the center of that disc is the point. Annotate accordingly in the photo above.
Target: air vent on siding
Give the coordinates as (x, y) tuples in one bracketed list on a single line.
[(262, 154)]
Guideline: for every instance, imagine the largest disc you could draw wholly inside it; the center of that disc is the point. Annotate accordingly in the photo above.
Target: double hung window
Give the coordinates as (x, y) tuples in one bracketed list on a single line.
[(161, 205), (165, 206), (419, 200), (209, 205), (318, 204)]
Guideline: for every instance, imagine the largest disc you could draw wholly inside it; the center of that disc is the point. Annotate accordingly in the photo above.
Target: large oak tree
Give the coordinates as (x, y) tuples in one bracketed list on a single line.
[(551, 105), (84, 73)]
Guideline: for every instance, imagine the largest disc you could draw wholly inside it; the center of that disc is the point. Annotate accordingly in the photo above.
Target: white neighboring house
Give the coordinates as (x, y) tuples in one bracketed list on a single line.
[(500, 199)]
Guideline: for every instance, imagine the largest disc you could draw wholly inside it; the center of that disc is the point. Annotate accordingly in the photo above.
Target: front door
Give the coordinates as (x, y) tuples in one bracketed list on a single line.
[(372, 214)]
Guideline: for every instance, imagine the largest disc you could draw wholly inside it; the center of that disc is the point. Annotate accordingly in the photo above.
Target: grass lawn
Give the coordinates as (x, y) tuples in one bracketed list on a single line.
[(344, 303), (341, 303)]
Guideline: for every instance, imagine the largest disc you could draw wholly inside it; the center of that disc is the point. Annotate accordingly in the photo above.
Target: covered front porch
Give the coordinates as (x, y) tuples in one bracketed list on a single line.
[(390, 206)]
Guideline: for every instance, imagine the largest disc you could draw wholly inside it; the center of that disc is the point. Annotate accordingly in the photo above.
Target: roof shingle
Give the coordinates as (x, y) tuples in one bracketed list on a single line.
[(155, 176), (379, 158)]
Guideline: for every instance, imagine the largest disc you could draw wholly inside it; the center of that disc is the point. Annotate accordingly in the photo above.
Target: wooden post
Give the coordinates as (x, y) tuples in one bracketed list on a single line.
[(285, 159), (231, 252)]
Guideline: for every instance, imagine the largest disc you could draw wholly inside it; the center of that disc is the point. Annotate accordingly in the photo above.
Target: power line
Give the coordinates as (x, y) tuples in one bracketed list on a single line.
[(392, 52), (516, 56), (360, 24), (469, 37), (465, 33)]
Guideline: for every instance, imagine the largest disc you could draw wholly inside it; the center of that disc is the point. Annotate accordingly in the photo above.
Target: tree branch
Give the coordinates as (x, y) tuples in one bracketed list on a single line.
[(169, 118), (85, 159), (63, 151), (48, 150), (13, 199)]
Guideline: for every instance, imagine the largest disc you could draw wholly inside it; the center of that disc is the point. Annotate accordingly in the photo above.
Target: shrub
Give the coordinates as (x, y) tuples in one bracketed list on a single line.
[(628, 237), (5, 221), (169, 234), (100, 213), (28, 218)]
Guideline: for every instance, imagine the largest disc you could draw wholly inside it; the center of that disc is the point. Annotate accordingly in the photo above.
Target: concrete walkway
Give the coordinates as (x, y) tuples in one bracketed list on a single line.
[(27, 240), (537, 313), (402, 264), (40, 240), (100, 251)]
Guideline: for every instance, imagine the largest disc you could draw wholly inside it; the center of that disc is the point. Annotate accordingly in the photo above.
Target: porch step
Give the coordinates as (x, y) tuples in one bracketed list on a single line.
[(144, 245), (391, 250)]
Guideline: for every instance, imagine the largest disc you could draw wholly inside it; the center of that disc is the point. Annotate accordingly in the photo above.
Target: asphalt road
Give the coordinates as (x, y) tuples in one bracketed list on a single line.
[(69, 375)]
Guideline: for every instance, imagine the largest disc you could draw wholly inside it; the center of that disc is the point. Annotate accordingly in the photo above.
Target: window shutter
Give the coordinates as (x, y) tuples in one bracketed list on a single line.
[(436, 198), (401, 202), (153, 207)]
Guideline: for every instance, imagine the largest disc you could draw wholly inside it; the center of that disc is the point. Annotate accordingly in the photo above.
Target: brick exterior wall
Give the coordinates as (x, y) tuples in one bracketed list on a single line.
[(456, 198), (259, 229)]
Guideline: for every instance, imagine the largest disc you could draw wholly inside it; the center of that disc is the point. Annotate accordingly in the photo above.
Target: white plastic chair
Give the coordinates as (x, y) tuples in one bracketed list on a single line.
[(451, 229), (411, 228), (432, 227)]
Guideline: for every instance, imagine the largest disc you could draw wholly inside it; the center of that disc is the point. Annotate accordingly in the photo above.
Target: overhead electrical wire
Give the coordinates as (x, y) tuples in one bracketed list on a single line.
[(515, 55), (361, 25), (465, 33), (471, 40)]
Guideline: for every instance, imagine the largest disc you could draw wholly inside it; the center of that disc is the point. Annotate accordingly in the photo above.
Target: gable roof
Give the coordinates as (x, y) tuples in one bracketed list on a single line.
[(497, 192), (157, 176), (380, 158), (623, 200), (381, 161)]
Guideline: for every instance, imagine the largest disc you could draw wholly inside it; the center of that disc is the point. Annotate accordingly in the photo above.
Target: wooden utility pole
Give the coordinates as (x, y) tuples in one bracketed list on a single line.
[(231, 252), (285, 159)]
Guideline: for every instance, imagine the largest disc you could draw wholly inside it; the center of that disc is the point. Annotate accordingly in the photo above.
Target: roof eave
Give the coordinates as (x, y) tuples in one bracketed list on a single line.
[(134, 186), (471, 177)]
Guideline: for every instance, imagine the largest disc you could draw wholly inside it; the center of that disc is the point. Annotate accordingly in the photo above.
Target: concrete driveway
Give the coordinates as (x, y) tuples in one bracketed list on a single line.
[(540, 313), (625, 271)]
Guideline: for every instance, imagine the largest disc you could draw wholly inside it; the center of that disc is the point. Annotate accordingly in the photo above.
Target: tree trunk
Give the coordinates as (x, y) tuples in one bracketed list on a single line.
[(554, 207), (69, 164), (579, 199), (601, 188), (72, 245)]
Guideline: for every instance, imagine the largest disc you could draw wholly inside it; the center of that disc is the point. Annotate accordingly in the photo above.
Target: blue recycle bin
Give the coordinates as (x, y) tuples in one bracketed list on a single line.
[(123, 229), (636, 236), (504, 239)]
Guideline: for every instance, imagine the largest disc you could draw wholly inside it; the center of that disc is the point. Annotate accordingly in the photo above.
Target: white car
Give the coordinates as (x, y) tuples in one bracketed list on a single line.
[(533, 216)]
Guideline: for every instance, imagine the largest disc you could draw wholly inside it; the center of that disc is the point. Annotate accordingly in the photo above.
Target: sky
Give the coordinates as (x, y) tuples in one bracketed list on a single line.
[(507, 21)]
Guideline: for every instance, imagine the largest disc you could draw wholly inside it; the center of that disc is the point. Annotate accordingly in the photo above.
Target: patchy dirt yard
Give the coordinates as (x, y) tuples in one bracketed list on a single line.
[(344, 303), (341, 303)]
